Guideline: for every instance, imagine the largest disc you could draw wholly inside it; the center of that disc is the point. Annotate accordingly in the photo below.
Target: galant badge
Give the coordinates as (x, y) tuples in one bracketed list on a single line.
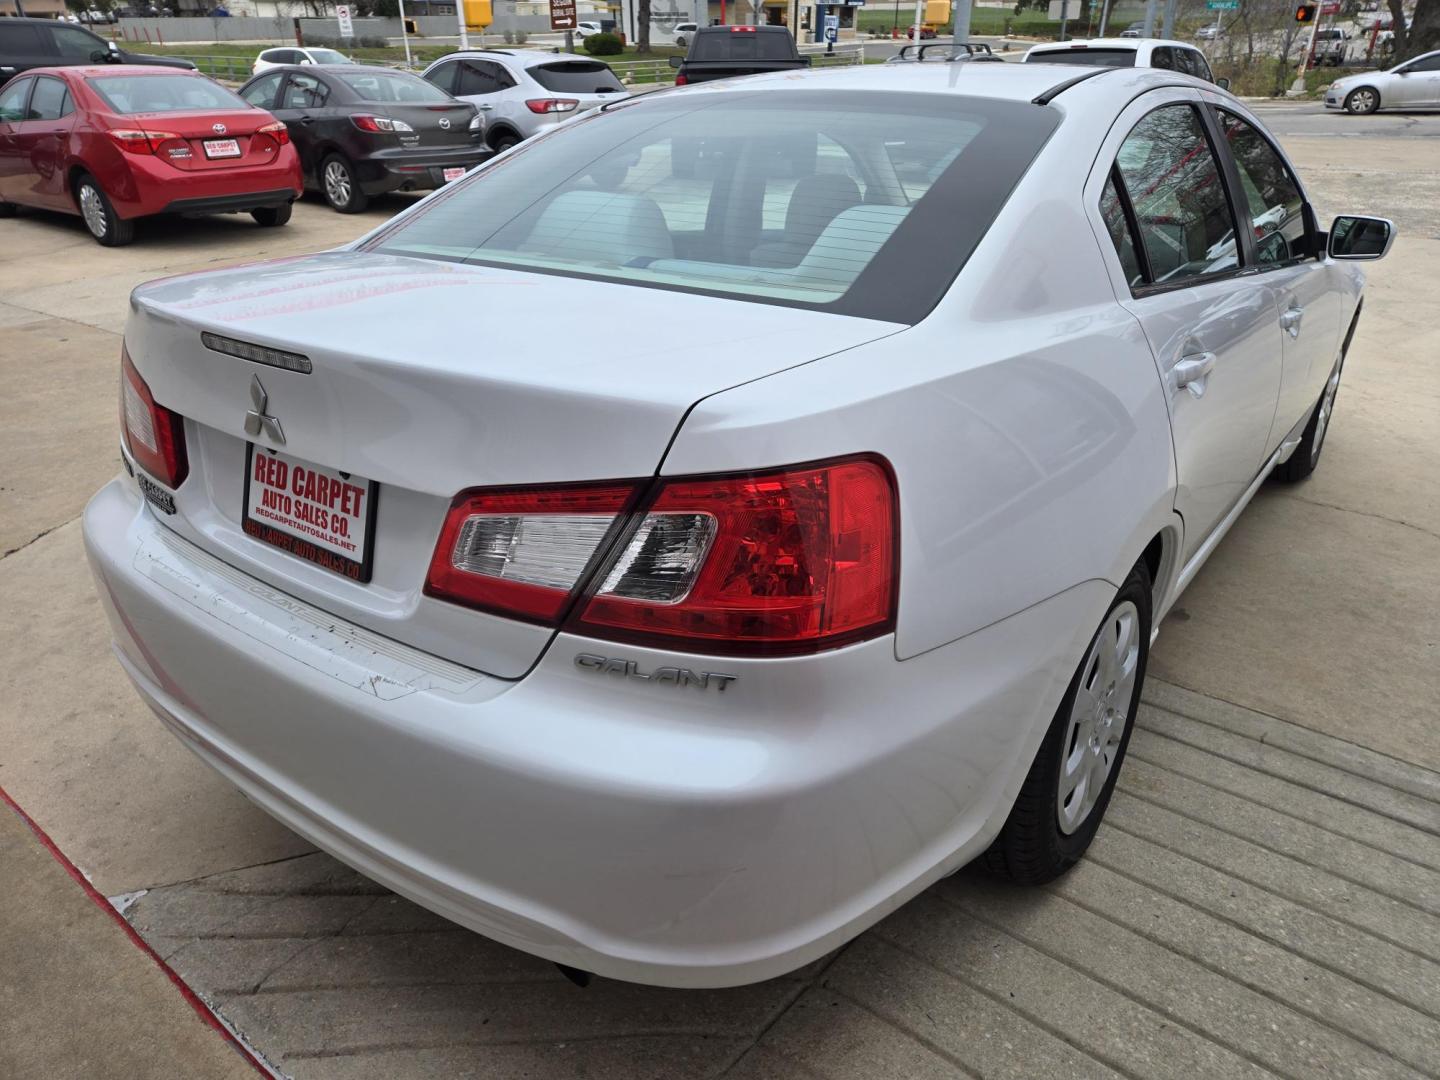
[(219, 129), (257, 420), (673, 676)]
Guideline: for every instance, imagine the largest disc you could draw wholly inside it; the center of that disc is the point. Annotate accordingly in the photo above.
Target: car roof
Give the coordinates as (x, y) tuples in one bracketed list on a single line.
[(85, 71), (522, 57), (1108, 43), (1003, 81)]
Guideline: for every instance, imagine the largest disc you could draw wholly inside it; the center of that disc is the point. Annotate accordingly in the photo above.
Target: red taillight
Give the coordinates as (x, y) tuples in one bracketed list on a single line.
[(681, 80), (523, 552), (136, 141), (277, 131), (783, 562), (551, 105), (154, 435)]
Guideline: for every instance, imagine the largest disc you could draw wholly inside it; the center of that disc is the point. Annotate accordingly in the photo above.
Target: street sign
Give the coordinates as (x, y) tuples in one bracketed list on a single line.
[(1330, 9), (832, 28), (342, 16), (1223, 5), (562, 15)]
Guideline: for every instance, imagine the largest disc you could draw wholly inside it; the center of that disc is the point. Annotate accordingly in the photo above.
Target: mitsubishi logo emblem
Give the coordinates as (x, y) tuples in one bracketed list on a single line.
[(219, 129), (256, 420)]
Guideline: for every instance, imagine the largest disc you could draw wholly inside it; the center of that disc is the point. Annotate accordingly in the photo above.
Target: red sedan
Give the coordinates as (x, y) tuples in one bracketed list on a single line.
[(115, 145)]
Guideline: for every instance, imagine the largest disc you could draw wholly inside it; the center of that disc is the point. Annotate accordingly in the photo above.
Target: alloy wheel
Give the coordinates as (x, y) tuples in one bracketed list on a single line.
[(337, 183), (1327, 408), (1098, 716), (92, 209), (1363, 101)]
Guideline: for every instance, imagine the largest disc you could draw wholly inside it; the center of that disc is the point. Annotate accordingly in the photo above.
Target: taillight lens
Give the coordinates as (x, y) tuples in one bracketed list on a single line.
[(783, 562), (379, 124), (681, 80), (136, 141), (154, 435), (551, 105), (277, 131), (523, 553)]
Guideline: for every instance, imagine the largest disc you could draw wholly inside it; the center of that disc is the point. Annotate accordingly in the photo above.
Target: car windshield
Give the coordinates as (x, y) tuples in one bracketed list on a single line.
[(394, 86), (1115, 58), (859, 203), (328, 56), (742, 46), (163, 93), (577, 77)]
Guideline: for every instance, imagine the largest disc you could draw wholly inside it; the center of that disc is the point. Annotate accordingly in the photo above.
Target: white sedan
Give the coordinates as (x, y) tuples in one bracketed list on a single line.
[(290, 54), (1415, 84), (794, 535)]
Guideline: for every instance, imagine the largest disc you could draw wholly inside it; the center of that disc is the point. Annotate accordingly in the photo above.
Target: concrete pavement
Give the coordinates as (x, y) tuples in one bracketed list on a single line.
[(1263, 898)]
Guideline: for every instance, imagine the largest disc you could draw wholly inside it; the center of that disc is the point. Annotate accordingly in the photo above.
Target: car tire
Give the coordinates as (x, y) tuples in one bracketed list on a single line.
[(1047, 832), (1362, 101), (339, 186), (504, 141), (270, 216), (107, 227), (1307, 455)]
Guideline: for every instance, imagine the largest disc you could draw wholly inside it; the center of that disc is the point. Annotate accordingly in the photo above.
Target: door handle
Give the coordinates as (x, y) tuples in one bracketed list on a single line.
[(1290, 320), (1192, 371), (485, 108), (307, 119)]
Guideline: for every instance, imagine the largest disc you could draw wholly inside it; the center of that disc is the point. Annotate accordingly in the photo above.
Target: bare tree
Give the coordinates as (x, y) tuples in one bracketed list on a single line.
[(1424, 33), (642, 30)]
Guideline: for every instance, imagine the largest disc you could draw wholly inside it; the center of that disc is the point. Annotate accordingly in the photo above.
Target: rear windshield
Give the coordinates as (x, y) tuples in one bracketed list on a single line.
[(1115, 58), (859, 203), (577, 77), (742, 46), (393, 86), (163, 93)]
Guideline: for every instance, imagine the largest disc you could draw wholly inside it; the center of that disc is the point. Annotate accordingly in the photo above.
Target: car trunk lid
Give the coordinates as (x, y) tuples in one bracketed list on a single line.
[(429, 378)]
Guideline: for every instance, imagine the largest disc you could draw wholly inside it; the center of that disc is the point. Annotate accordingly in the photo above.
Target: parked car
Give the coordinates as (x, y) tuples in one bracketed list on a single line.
[(273, 58), (1118, 52), (1134, 30), (1207, 33), (362, 131), (522, 93), (587, 29), (684, 659), (1415, 84), (117, 144), (1332, 46), (32, 43), (684, 32), (723, 52), (927, 31)]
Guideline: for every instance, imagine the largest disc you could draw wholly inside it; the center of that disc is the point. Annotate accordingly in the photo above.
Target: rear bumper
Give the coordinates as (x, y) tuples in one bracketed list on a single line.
[(648, 832), (229, 204), (417, 171)]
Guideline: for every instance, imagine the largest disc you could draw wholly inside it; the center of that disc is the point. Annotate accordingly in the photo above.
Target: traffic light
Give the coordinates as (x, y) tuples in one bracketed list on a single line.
[(1305, 12)]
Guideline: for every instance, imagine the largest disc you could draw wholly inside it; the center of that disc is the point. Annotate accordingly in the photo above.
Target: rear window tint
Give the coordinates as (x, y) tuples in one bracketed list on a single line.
[(577, 77), (163, 93), (742, 46), (859, 203), (1115, 58)]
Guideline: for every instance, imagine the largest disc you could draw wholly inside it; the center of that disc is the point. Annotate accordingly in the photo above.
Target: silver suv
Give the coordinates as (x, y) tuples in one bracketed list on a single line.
[(522, 92)]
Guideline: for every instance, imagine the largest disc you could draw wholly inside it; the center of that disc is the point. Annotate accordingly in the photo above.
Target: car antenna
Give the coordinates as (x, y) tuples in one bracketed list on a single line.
[(1055, 91)]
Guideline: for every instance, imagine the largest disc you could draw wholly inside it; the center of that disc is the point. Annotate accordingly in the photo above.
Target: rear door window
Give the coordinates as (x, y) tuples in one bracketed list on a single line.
[(577, 77), (304, 92), (261, 93), (482, 77), (444, 77), (20, 39), (1163, 57), (12, 101), (1277, 209), (75, 44), (1182, 211), (50, 101)]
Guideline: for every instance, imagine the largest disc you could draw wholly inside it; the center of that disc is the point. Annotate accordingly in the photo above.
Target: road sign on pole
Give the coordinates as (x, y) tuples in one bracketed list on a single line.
[(1223, 5), (562, 14), (342, 16)]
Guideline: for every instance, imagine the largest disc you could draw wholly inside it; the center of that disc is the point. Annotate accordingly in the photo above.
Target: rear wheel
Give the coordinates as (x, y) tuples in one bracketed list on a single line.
[(1362, 100), (1307, 455), (1069, 785), (272, 215), (106, 226), (342, 191), (504, 141)]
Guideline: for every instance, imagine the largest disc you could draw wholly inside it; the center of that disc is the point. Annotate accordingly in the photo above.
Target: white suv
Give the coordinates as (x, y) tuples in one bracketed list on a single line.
[(1125, 52), (523, 92), (271, 58)]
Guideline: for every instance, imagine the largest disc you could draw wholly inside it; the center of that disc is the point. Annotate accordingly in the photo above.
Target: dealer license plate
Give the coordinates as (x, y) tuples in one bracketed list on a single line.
[(222, 148), (311, 511), (452, 174)]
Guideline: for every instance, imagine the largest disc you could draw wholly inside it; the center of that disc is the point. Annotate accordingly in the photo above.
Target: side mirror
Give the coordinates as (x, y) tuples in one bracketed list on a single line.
[(676, 61), (1223, 84), (100, 56), (1360, 238)]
